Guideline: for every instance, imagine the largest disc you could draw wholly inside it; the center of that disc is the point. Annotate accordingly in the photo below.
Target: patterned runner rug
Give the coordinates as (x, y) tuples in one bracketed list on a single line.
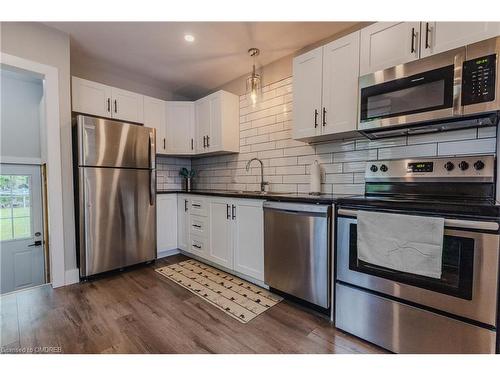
[(236, 297)]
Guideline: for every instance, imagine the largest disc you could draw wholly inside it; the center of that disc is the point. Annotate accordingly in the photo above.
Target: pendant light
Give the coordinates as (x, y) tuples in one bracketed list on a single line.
[(254, 88)]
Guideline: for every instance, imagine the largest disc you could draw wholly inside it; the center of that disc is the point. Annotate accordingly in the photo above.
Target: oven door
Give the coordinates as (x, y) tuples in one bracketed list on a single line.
[(467, 288), (422, 90)]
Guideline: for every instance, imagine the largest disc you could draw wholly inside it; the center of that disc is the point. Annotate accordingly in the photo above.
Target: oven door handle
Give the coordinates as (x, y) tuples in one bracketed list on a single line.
[(456, 223)]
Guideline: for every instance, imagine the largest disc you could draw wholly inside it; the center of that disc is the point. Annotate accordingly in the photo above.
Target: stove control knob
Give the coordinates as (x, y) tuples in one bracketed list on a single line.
[(383, 168), (449, 166), (463, 165), (374, 168), (478, 165)]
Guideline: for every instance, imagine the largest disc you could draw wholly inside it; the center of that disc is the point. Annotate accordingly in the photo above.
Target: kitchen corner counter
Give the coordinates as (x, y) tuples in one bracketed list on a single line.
[(272, 196)]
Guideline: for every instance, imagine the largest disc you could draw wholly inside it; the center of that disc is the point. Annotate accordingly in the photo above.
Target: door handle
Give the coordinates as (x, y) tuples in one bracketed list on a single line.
[(413, 35), (427, 32), (324, 116), (116, 107), (228, 212), (233, 211), (315, 118), (36, 243)]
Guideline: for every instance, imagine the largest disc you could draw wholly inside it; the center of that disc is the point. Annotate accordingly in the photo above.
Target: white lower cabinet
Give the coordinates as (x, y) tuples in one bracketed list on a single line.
[(225, 231), (166, 223), (248, 241), (221, 231), (183, 241)]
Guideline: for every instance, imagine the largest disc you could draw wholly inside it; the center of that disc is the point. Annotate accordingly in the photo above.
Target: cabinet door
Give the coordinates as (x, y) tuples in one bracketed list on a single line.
[(249, 238), (154, 117), (202, 121), (127, 106), (220, 249), (386, 44), (340, 85), (307, 78), (443, 36), (180, 128), (214, 142), (91, 97), (183, 223), (166, 222)]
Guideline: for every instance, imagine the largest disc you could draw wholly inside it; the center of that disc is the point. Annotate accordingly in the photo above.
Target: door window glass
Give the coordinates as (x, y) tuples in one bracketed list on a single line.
[(15, 207)]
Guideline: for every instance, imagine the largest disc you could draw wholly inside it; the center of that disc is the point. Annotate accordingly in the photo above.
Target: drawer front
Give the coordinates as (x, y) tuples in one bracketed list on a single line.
[(198, 246), (199, 226), (402, 328), (199, 207)]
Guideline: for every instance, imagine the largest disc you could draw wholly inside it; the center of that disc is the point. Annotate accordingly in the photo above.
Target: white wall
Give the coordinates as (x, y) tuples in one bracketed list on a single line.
[(20, 115), (40, 43)]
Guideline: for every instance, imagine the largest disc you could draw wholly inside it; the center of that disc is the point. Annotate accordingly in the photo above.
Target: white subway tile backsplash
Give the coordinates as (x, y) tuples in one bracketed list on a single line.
[(407, 151), (265, 132), (477, 146)]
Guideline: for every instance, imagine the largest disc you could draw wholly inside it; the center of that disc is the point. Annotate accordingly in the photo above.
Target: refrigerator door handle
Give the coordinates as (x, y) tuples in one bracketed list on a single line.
[(152, 184), (151, 152)]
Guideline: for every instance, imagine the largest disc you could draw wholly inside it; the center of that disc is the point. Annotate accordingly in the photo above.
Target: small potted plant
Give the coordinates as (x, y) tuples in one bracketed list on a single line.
[(188, 176)]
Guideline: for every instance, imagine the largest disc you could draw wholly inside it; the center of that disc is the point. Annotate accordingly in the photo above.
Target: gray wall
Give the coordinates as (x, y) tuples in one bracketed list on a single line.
[(45, 45), (20, 115)]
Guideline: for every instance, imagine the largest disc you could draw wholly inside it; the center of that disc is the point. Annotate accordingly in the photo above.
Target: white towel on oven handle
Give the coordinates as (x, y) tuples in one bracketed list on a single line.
[(407, 243)]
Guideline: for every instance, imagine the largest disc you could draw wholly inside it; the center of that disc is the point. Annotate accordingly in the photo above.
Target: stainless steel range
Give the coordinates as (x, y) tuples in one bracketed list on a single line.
[(410, 313)]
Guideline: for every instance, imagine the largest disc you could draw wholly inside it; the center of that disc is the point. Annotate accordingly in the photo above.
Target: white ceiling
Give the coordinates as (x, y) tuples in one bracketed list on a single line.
[(157, 50)]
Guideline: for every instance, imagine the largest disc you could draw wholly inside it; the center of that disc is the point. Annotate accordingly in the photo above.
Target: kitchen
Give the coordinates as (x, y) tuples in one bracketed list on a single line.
[(255, 218)]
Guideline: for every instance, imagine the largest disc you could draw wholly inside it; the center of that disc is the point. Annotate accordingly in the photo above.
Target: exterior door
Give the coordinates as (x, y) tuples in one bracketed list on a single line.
[(387, 44), (307, 81), (220, 247), (340, 85), (21, 227)]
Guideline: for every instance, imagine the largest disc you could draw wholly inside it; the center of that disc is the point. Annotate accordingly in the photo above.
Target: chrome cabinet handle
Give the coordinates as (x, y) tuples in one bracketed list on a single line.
[(427, 32), (413, 35), (315, 118)]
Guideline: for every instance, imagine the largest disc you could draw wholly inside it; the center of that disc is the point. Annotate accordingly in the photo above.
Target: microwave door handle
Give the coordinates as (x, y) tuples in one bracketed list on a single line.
[(464, 224)]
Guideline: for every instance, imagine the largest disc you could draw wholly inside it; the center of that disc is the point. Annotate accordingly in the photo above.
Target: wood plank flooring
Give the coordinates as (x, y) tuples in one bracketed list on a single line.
[(140, 311)]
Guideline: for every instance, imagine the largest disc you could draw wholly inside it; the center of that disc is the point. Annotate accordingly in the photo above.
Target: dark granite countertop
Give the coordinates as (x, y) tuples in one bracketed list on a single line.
[(272, 196)]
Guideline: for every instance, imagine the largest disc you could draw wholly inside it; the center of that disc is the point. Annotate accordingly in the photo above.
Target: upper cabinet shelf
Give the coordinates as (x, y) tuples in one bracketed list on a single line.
[(208, 126)]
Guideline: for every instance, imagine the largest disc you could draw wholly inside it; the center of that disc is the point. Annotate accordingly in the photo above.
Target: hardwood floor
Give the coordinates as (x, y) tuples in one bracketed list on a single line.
[(140, 311)]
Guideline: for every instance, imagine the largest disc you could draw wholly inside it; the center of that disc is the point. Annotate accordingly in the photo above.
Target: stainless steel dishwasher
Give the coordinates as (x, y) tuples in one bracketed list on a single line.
[(297, 250)]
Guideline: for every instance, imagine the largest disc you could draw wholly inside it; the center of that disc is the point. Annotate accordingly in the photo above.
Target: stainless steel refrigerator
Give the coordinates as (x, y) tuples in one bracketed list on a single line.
[(115, 182)]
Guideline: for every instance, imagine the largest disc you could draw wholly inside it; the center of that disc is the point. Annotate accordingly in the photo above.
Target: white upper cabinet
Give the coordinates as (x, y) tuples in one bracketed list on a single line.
[(180, 128), (439, 37), (340, 85), (91, 97), (386, 44), (217, 123), (307, 81), (155, 117), (101, 100), (326, 90), (127, 105)]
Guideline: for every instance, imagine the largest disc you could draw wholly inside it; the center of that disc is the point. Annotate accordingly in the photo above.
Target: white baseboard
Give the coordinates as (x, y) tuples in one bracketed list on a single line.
[(72, 276), (167, 253)]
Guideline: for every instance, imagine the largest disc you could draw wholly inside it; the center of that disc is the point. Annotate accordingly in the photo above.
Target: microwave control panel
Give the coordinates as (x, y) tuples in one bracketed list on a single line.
[(478, 84)]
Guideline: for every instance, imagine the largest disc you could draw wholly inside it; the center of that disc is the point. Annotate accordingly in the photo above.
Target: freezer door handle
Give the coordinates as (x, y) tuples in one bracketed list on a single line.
[(152, 185)]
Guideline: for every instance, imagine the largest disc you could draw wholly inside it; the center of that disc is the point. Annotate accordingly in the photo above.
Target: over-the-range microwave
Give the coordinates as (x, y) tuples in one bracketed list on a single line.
[(451, 90)]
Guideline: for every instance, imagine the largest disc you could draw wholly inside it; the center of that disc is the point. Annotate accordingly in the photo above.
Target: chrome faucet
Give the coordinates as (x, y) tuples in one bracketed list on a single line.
[(262, 182)]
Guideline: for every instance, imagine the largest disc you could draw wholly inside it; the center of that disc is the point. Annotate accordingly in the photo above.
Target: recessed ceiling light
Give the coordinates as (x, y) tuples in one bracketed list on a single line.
[(189, 38)]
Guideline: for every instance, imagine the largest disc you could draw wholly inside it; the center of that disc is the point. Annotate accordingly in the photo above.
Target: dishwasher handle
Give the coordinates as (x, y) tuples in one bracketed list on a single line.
[(299, 208)]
